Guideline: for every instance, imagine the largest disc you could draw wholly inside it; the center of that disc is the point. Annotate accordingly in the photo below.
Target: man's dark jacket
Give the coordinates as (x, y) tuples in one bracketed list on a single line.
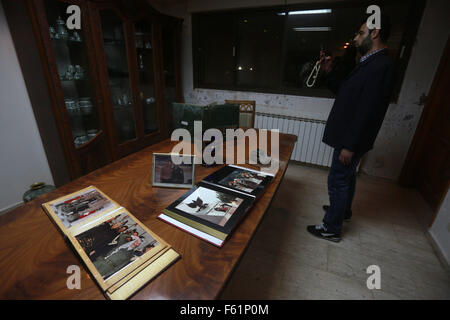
[(361, 103)]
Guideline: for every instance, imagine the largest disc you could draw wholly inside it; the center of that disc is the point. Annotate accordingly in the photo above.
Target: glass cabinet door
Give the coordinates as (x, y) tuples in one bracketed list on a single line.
[(169, 73), (144, 54), (119, 77), (72, 63)]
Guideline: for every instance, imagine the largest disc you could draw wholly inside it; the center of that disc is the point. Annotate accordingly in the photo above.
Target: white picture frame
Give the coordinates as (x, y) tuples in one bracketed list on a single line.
[(165, 173)]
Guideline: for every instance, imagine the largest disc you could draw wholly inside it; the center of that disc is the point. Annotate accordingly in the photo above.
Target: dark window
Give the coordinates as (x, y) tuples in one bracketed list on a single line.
[(306, 35), (274, 49), (215, 49), (258, 49)]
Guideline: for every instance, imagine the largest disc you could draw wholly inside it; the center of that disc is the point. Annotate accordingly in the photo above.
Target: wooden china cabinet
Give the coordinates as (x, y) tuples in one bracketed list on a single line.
[(112, 82)]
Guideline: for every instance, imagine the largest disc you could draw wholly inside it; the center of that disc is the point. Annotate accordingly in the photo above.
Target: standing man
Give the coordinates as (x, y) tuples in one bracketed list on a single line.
[(362, 99)]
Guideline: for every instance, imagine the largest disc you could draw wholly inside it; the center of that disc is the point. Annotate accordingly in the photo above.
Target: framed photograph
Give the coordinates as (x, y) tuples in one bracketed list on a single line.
[(168, 174)]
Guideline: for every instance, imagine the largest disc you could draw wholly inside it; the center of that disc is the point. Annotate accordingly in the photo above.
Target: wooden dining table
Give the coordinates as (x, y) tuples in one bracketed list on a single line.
[(34, 256)]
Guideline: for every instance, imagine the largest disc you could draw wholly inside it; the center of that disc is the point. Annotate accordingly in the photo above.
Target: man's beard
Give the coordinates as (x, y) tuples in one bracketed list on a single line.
[(365, 45)]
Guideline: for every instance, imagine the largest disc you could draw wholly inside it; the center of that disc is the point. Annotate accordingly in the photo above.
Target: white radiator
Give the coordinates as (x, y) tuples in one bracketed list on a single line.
[(309, 147)]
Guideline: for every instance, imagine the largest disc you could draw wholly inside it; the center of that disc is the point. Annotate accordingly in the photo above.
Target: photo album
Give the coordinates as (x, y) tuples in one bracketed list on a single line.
[(121, 253), (212, 209)]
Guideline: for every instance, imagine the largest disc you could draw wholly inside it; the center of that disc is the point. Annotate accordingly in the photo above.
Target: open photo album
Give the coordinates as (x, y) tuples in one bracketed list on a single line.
[(213, 208), (120, 252), (241, 179)]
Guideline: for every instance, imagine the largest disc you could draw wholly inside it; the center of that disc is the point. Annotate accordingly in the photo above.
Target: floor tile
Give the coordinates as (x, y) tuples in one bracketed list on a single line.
[(284, 261)]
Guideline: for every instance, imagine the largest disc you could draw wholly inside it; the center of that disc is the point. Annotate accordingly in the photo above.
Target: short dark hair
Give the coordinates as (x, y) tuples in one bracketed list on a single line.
[(385, 30)]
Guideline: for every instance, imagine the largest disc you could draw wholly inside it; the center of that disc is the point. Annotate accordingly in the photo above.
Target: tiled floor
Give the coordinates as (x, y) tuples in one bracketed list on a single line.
[(285, 262)]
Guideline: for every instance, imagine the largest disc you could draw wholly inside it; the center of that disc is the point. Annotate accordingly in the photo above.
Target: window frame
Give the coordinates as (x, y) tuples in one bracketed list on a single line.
[(414, 14)]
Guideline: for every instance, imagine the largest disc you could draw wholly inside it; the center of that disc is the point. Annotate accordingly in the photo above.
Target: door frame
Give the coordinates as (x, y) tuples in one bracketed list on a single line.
[(408, 176)]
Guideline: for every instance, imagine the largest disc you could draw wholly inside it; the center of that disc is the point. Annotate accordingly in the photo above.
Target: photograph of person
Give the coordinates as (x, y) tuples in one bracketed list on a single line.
[(242, 180), (210, 205), (89, 203), (168, 174), (115, 243)]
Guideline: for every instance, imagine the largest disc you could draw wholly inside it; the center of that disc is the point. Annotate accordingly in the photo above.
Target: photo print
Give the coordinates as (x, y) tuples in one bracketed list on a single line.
[(115, 244), (210, 205), (168, 174), (242, 180), (88, 203)]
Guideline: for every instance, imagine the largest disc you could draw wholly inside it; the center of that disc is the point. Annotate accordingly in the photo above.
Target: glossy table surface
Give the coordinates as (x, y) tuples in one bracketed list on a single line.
[(34, 256)]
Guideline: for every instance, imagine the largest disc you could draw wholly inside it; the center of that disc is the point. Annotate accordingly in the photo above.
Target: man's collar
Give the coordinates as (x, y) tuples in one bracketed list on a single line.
[(365, 57)]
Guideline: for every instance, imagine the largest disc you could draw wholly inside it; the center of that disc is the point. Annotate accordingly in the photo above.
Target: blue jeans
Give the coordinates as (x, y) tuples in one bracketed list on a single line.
[(341, 189)]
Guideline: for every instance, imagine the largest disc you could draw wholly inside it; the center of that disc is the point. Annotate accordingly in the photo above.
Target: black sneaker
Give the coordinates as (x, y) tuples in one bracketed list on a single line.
[(347, 218), (321, 232)]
